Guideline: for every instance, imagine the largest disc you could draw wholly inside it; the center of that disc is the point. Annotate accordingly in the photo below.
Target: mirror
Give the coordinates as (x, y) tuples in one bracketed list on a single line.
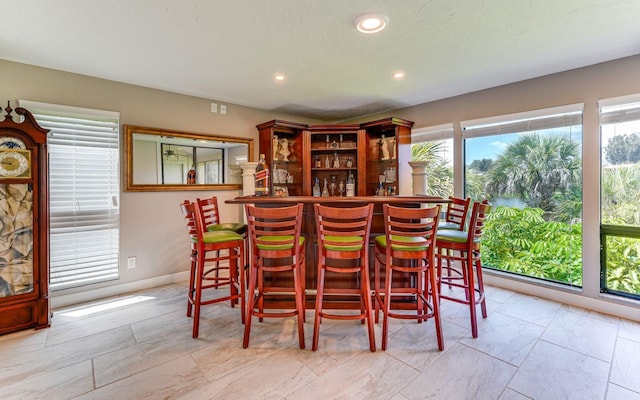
[(161, 160)]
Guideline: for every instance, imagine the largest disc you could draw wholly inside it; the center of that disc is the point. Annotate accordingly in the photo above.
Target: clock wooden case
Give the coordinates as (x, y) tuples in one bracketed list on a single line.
[(24, 223)]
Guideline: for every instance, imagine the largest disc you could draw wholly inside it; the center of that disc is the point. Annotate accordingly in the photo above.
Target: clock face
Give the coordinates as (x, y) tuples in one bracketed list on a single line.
[(15, 164)]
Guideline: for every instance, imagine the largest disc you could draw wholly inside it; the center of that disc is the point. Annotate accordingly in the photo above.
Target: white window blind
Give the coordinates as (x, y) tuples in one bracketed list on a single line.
[(619, 109), (84, 193), (438, 132), (528, 121)]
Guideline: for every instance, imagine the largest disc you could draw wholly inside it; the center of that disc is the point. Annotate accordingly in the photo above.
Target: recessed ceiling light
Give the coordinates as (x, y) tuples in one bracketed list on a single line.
[(371, 23), (279, 77), (398, 75)]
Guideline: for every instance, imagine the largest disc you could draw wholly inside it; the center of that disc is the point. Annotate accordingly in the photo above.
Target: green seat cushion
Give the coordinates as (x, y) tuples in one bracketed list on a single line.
[(448, 225), (277, 246), (453, 236), (228, 226), (344, 239), (218, 237), (410, 242)]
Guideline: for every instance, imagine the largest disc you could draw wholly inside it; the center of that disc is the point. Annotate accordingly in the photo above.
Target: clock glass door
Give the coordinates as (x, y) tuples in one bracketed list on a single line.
[(16, 239)]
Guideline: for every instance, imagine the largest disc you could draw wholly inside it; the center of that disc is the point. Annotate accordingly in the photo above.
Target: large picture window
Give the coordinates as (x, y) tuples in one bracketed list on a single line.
[(84, 191), (529, 166), (619, 194)]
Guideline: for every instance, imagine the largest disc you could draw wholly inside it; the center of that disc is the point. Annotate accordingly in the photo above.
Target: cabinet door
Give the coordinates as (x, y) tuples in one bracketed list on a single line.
[(282, 144), (334, 155), (382, 162)]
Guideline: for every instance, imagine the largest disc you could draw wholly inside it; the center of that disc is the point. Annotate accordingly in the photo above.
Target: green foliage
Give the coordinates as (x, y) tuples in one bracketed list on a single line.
[(483, 165), (623, 149), (620, 193), (439, 173), (521, 241), (623, 264), (536, 169)]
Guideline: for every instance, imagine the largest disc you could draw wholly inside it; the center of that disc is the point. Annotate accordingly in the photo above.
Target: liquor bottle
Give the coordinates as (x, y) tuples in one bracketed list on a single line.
[(316, 188), (325, 190), (351, 185), (262, 177), (191, 176), (349, 162)]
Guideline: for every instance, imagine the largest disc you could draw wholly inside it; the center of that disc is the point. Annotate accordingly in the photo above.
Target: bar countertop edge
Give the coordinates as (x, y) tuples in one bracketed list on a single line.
[(326, 200)]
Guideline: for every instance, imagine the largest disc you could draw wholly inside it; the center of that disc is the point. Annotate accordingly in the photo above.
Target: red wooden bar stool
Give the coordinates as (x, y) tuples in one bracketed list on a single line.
[(456, 215), (343, 243), (276, 247), (211, 251), (408, 247), (461, 252), (211, 215)]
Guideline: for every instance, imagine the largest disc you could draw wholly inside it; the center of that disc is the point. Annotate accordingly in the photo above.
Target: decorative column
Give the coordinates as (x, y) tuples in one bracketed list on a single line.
[(248, 178), (419, 176)]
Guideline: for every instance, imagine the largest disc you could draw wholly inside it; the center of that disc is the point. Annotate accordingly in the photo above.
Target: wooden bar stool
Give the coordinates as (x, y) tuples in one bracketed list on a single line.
[(461, 252), (408, 247), (456, 215), (343, 248), (211, 251), (211, 215), (276, 247)]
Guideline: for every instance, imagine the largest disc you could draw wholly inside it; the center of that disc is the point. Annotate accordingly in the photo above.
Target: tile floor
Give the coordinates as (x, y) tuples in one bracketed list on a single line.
[(528, 348)]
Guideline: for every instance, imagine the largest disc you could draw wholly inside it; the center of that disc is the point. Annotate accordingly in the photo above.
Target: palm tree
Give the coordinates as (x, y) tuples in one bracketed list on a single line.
[(439, 173), (535, 169)]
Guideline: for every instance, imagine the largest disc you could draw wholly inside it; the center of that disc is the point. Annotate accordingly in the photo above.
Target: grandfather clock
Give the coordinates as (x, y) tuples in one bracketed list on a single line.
[(24, 223)]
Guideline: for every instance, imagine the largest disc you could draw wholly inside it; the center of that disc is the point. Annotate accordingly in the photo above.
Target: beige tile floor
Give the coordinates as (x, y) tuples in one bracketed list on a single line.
[(528, 348)]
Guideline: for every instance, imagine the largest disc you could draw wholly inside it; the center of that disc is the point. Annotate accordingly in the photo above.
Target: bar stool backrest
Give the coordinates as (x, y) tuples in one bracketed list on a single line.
[(210, 210), (411, 232), (457, 212), (275, 232), (188, 211), (344, 232), (479, 214)]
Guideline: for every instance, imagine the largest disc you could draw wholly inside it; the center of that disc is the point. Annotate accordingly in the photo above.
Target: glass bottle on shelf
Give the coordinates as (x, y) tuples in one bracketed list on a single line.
[(316, 188), (349, 161), (325, 190), (336, 161), (191, 175), (327, 162), (351, 185), (318, 162), (262, 178), (328, 145)]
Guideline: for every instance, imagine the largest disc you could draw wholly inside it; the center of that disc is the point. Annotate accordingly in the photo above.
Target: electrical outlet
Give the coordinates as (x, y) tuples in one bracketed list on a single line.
[(223, 109), (131, 262), (214, 107)]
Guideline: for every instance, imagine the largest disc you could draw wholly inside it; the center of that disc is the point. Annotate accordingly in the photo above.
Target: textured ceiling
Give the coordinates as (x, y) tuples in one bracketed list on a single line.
[(228, 51)]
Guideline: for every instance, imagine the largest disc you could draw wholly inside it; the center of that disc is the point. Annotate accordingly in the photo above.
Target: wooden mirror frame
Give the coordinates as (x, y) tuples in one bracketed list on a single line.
[(130, 130)]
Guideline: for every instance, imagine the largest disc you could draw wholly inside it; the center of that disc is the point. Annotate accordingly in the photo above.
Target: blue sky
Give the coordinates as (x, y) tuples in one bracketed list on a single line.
[(492, 146)]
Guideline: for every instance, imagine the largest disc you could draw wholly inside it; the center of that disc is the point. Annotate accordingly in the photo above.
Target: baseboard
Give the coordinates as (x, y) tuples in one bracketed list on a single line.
[(606, 304), (65, 300)]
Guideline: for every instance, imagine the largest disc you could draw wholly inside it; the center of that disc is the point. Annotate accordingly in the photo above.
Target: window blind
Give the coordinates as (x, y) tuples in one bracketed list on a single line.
[(84, 193), (438, 132), (619, 109), (547, 118)]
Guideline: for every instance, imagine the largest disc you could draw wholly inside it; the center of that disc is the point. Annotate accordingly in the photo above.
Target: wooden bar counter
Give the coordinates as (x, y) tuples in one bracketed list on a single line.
[(309, 231)]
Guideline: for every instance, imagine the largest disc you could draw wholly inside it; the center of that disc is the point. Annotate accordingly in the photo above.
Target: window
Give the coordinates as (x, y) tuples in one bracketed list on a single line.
[(84, 193), (619, 193), (435, 145), (529, 166)]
